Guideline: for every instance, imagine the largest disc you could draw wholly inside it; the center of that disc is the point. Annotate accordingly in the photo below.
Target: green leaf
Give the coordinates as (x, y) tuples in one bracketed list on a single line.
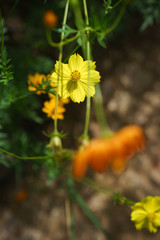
[(101, 41), (89, 213), (67, 31)]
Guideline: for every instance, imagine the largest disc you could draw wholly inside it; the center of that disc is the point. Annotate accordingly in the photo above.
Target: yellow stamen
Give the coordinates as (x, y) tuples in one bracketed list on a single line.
[(75, 75), (151, 217)]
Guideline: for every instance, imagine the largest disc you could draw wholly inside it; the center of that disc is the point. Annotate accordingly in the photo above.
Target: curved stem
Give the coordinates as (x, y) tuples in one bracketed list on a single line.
[(114, 25), (61, 43), (24, 158)]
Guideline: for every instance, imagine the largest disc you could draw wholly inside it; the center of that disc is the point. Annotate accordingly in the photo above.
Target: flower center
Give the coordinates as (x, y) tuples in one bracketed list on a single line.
[(151, 217), (75, 75)]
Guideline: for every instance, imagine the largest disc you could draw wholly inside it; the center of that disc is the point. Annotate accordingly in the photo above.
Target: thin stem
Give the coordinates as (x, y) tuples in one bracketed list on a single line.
[(100, 115), (96, 188), (60, 64), (86, 13), (90, 214), (93, 182), (61, 43), (116, 22), (79, 23), (88, 104), (24, 158), (71, 220), (115, 5)]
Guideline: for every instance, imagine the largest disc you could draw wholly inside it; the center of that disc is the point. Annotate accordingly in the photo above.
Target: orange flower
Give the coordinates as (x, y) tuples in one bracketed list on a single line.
[(113, 151), (129, 140), (50, 19), (80, 163), (49, 108), (100, 153), (35, 80), (97, 154), (21, 196)]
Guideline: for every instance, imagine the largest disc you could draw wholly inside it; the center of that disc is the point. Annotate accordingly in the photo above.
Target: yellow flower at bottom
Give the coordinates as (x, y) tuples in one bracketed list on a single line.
[(74, 76), (146, 214), (49, 108)]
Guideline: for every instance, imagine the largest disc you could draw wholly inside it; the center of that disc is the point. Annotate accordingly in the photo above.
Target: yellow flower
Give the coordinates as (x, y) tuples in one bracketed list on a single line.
[(146, 214), (35, 80), (73, 78), (49, 108)]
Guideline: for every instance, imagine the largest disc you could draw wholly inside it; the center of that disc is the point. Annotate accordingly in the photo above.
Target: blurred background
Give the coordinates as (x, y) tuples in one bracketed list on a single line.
[(130, 82)]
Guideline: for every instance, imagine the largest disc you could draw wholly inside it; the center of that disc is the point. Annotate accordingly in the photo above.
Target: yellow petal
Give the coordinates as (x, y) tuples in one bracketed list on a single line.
[(138, 215), (87, 65), (62, 70), (94, 77), (91, 89), (75, 62), (76, 91)]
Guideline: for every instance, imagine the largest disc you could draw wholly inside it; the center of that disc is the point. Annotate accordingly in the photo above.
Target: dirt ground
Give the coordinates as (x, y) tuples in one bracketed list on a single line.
[(130, 70)]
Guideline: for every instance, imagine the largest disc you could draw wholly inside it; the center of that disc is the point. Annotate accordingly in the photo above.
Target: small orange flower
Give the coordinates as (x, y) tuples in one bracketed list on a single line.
[(113, 151), (21, 196), (36, 80), (50, 19), (49, 108)]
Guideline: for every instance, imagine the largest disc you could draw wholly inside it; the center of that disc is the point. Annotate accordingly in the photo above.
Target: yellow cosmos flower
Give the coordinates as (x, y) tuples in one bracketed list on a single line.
[(146, 214), (36, 80), (73, 78), (49, 107)]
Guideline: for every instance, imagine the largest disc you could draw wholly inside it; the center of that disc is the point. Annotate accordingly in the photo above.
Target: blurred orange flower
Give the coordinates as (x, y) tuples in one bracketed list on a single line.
[(113, 151), (50, 19), (49, 107), (35, 80), (21, 196)]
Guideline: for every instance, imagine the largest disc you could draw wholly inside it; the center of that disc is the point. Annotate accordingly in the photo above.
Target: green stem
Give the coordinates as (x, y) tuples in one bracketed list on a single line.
[(60, 64), (61, 43), (99, 111), (90, 214), (88, 104), (24, 158), (115, 5), (97, 189), (79, 23), (97, 184), (70, 186), (116, 22)]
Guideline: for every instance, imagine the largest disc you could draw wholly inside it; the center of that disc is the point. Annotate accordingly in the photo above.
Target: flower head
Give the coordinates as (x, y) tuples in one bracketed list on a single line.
[(75, 79), (50, 19), (146, 214), (34, 81), (49, 108), (113, 151)]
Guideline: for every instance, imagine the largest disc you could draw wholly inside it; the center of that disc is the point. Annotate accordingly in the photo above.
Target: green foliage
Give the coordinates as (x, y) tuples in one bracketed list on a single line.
[(6, 73), (150, 10), (68, 30)]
